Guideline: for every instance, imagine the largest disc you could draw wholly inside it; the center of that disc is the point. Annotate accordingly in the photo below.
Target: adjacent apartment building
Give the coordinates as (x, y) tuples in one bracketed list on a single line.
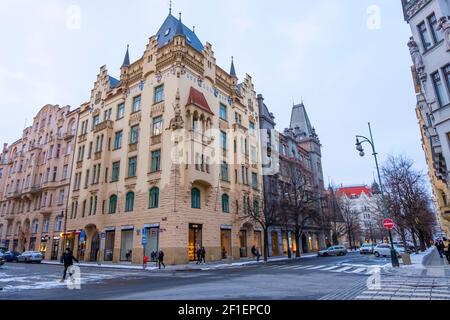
[(430, 51), (167, 158), (294, 193), (34, 183)]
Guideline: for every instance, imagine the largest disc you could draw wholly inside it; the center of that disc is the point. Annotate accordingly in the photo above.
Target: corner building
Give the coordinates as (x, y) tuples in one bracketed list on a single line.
[(167, 157), (34, 183)]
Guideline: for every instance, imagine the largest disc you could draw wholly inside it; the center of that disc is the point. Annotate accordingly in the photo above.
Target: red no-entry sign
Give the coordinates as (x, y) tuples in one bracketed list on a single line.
[(388, 224)]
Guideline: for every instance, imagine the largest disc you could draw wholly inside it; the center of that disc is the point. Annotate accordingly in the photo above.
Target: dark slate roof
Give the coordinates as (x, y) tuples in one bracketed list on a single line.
[(113, 82), (126, 60), (168, 31), (232, 69), (300, 119)]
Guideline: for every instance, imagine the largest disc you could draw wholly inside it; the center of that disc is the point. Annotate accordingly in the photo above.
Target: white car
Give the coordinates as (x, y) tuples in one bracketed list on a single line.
[(367, 248), (384, 250), (30, 257)]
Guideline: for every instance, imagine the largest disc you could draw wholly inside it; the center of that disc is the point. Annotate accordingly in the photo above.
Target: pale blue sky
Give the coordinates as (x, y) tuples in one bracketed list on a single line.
[(348, 74)]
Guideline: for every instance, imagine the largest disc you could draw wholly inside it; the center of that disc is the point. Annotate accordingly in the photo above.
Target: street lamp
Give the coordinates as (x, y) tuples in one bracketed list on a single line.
[(359, 147)]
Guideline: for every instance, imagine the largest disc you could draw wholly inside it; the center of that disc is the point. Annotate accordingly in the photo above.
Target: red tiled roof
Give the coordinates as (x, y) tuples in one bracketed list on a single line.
[(354, 191), (197, 99)]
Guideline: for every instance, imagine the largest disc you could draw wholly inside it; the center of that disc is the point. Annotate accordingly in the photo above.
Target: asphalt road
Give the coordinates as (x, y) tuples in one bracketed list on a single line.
[(304, 279)]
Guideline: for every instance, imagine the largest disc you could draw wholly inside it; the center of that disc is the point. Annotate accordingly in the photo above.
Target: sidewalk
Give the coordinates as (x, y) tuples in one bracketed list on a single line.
[(185, 267)]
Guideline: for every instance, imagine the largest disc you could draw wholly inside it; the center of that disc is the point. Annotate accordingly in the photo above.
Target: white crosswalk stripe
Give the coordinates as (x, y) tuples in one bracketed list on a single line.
[(342, 269), (330, 268), (315, 268), (359, 270)]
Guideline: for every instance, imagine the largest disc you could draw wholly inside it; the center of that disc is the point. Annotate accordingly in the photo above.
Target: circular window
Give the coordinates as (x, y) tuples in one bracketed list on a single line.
[(167, 32)]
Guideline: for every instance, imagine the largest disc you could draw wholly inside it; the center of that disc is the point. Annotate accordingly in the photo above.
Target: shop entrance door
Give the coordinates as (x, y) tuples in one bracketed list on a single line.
[(275, 245), (243, 241), (55, 249), (225, 239), (195, 240), (95, 247), (109, 245)]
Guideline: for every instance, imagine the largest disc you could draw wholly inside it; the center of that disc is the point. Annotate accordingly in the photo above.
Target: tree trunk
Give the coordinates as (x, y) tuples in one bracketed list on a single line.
[(423, 246), (413, 233), (297, 241)]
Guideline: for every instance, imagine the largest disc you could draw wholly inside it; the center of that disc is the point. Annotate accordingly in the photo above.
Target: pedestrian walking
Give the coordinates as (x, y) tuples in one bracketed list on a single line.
[(161, 259), (447, 249), (439, 244), (203, 257), (256, 253), (67, 260), (199, 255)]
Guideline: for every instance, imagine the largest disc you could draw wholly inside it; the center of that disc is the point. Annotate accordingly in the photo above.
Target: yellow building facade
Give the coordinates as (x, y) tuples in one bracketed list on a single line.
[(167, 158)]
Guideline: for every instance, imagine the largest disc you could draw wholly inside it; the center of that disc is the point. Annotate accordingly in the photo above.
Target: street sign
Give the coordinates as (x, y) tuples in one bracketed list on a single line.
[(388, 224)]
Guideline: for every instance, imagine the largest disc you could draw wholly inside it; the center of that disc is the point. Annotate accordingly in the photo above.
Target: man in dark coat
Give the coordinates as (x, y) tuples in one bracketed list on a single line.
[(67, 260), (199, 255), (203, 255), (161, 259)]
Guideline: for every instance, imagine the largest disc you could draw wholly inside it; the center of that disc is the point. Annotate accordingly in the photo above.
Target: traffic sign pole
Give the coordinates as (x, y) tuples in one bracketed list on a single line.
[(389, 225)]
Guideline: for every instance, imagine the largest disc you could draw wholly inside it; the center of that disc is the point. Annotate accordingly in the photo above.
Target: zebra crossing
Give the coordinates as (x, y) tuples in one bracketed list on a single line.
[(335, 268), (338, 268)]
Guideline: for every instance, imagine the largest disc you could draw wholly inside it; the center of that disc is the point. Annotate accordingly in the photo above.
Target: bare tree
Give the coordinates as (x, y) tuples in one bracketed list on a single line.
[(351, 220), (333, 217), (408, 201)]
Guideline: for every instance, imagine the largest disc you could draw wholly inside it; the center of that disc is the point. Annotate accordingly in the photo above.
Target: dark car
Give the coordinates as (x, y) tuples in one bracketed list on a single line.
[(11, 256), (2, 260)]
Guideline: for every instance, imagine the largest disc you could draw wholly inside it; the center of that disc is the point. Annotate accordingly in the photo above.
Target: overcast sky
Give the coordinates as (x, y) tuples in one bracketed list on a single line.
[(347, 59)]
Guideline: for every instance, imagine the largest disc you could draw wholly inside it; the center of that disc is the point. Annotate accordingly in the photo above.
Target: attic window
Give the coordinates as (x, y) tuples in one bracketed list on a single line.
[(188, 39), (167, 32), (157, 37)]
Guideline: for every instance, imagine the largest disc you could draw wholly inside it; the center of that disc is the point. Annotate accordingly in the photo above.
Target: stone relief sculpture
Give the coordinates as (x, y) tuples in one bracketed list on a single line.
[(444, 26), (177, 122), (415, 55)]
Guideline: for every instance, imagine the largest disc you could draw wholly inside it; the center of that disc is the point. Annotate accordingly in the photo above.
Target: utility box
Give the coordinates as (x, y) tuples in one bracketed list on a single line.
[(406, 259)]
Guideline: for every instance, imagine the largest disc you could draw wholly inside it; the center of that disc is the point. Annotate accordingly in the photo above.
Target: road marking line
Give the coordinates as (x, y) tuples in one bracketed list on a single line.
[(289, 267), (359, 270), (315, 267), (331, 268), (343, 269)]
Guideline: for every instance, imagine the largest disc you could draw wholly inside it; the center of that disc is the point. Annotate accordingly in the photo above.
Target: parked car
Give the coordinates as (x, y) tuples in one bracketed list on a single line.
[(2, 260), (30, 257), (367, 248), (409, 245), (11, 256), (384, 250), (333, 251)]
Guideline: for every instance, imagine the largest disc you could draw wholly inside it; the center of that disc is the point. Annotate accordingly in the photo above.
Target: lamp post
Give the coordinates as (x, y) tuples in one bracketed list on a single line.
[(359, 147)]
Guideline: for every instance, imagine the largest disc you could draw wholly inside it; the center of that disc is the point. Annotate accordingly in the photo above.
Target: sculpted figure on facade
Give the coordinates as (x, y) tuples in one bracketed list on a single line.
[(177, 122), (444, 26), (415, 55)]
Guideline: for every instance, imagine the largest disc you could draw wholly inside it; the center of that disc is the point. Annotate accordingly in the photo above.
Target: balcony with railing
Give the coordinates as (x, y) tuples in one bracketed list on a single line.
[(69, 134), (105, 125), (36, 188)]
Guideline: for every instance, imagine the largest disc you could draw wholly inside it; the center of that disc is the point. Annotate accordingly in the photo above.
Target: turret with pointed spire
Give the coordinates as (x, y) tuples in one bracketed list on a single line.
[(233, 70), (179, 31), (126, 60)]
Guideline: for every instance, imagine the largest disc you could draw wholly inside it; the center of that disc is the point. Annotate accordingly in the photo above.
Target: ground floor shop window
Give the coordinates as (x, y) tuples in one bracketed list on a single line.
[(195, 240), (32, 245), (225, 239), (126, 247), (109, 245), (258, 241), (243, 241), (55, 249), (275, 249), (285, 243), (152, 246), (294, 243)]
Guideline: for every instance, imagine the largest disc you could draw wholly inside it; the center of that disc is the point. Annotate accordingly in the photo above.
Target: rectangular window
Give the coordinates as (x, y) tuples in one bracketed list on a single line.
[(252, 128), (61, 197), (90, 150), (223, 112), (157, 126), (255, 181), (223, 140), (86, 182), (134, 135), (95, 122), (425, 36), (439, 89), (159, 94), (446, 72), (254, 154), (224, 172), (115, 171), (120, 111), (65, 171), (132, 167), (156, 161), (437, 34), (118, 140), (136, 104)]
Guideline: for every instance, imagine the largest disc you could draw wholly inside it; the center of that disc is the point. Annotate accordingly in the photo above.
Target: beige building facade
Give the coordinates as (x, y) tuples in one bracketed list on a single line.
[(34, 183), (167, 158)]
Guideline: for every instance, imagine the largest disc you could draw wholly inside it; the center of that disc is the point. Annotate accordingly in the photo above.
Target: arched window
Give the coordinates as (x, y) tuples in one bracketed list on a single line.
[(225, 203), (129, 203), (195, 198), (112, 204), (255, 207), (154, 198)]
